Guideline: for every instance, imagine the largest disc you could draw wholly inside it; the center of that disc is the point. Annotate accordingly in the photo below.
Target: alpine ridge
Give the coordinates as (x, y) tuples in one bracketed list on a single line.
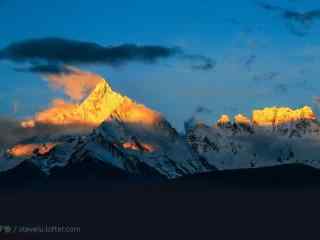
[(274, 136)]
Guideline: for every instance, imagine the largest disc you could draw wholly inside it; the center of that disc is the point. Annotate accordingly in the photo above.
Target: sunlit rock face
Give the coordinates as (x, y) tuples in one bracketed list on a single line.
[(138, 146), (277, 116), (28, 150)]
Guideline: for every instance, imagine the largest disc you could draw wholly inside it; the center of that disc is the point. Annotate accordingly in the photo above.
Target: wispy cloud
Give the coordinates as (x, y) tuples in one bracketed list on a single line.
[(266, 76), (304, 19), (202, 109), (199, 62), (75, 83)]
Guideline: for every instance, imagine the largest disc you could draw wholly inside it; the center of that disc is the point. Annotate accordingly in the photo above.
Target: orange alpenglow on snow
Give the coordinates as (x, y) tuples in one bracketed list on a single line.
[(134, 146), (92, 111), (95, 109), (242, 120), (27, 150), (224, 119), (277, 116), (135, 113), (28, 124), (61, 113)]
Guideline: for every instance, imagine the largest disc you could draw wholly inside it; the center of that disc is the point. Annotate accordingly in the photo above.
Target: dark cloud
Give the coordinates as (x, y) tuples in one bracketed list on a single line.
[(66, 51), (46, 69), (301, 17), (201, 62), (299, 23), (75, 52), (205, 66)]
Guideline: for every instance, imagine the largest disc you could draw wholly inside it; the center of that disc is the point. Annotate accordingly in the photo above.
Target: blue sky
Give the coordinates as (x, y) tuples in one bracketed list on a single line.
[(284, 69)]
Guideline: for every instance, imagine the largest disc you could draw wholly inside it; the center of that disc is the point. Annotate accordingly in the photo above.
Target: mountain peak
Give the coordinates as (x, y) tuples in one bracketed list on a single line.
[(281, 115), (224, 119), (99, 105), (96, 108), (271, 116), (100, 89), (242, 120)]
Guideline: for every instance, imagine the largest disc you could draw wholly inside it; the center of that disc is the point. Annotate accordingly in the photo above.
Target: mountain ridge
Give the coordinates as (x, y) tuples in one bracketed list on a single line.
[(128, 135), (137, 139)]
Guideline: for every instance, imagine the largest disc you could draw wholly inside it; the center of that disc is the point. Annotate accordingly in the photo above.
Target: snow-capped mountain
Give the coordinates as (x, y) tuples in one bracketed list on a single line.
[(98, 106), (132, 137), (274, 136)]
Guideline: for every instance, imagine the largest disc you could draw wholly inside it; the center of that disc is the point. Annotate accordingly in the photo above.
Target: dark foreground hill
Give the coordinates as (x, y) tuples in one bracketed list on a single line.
[(112, 203), (277, 177), (97, 176)]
